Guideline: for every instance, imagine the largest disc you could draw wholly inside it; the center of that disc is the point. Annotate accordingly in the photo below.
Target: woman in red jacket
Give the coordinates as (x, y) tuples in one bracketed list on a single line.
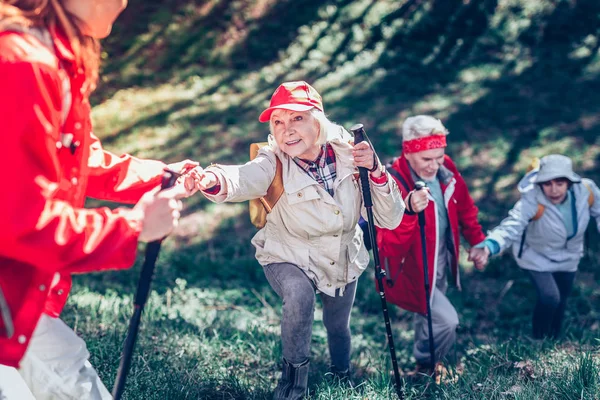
[(51, 161), (448, 209)]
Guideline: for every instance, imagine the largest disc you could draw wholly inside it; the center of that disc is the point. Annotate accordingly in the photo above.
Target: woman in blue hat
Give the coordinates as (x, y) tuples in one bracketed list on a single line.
[(546, 231)]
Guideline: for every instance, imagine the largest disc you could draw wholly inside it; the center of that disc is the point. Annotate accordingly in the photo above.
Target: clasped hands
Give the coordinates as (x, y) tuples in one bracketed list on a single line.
[(157, 212), (479, 256)]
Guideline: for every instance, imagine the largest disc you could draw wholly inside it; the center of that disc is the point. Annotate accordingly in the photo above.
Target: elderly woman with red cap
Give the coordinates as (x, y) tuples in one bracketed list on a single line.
[(311, 241), (546, 230), (448, 209)]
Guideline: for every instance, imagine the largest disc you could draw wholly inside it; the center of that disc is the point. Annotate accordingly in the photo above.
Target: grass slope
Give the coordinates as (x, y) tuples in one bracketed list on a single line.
[(511, 79)]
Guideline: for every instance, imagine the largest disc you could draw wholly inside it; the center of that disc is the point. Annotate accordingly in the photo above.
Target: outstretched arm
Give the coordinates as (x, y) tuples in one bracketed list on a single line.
[(125, 178), (236, 183)]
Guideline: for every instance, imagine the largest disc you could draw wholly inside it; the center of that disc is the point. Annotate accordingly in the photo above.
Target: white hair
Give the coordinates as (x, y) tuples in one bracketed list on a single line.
[(422, 126)]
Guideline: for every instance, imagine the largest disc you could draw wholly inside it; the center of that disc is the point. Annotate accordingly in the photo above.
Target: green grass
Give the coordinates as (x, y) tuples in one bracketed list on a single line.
[(511, 79), (214, 340)]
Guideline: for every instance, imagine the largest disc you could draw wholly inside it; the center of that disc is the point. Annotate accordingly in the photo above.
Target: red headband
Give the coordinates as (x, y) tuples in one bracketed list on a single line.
[(425, 143)]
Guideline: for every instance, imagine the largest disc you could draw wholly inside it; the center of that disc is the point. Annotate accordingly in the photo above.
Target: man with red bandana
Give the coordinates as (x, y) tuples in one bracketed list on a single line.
[(448, 209)]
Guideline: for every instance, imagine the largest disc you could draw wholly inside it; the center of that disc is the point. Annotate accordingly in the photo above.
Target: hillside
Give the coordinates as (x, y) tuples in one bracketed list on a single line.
[(511, 80)]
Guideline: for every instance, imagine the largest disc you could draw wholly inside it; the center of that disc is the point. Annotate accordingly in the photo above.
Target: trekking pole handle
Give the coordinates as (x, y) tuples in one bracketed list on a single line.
[(420, 185), (358, 130), (168, 180), (359, 133)]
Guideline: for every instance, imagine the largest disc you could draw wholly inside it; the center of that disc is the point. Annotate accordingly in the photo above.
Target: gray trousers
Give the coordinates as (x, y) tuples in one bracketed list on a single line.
[(298, 295), (444, 322)]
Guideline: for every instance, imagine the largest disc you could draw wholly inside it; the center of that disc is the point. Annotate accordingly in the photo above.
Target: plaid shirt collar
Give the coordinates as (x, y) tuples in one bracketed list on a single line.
[(322, 169)]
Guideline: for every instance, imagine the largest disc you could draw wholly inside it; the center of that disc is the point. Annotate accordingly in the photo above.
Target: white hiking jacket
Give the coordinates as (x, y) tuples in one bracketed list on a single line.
[(308, 227), (546, 247)]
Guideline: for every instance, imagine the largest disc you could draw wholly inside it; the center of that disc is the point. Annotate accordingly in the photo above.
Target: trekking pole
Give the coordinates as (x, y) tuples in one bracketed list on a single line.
[(141, 295), (360, 135), (419, 185)]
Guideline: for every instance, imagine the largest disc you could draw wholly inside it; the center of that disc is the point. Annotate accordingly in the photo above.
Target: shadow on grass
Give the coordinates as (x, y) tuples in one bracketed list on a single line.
[(436, 42)]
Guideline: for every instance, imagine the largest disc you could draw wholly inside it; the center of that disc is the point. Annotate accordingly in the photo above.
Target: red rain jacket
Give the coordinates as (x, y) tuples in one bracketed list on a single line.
[(45, 233), (400, 249)]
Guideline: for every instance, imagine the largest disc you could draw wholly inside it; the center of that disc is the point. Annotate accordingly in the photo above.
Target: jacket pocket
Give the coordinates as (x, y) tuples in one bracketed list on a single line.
[(303, 195), (357, 252), (357, 259)]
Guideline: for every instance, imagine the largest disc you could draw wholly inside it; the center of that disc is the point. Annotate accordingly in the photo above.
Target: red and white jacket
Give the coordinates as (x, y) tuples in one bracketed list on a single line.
[(45, 233), (400, 249)]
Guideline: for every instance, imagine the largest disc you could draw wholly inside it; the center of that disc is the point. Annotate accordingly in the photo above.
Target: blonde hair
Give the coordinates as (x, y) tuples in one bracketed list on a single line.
[(50, 14), (422, 126)]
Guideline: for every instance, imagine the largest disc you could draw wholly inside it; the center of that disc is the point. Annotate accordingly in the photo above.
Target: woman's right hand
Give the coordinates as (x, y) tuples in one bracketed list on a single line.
[(158, 212), (419, 199), (202, 179)]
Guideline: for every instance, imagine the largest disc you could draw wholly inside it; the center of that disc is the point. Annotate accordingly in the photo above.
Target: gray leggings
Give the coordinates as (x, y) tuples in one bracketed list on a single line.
[(298, 295), (553, 289)]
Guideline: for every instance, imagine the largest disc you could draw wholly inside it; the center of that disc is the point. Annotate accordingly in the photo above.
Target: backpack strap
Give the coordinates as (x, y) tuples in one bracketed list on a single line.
[(259, 208), (539, 213), (591, 196), (276, 189), (394, 172), (7, 329)]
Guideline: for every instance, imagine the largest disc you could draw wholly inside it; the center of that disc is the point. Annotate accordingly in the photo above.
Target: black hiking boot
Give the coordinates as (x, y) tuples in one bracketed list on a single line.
[(341, 377), (293, 384)]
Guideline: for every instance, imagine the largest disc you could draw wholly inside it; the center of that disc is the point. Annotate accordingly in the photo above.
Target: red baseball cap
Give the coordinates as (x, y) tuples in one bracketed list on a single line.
[(293, 96)]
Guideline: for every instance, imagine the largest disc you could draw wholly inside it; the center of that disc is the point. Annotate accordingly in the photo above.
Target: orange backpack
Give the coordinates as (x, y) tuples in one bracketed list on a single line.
[(259, 208)]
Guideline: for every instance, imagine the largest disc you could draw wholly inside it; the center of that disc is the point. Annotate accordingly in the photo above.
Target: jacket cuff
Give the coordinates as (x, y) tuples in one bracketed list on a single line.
[(215, 189), (382, 180)]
